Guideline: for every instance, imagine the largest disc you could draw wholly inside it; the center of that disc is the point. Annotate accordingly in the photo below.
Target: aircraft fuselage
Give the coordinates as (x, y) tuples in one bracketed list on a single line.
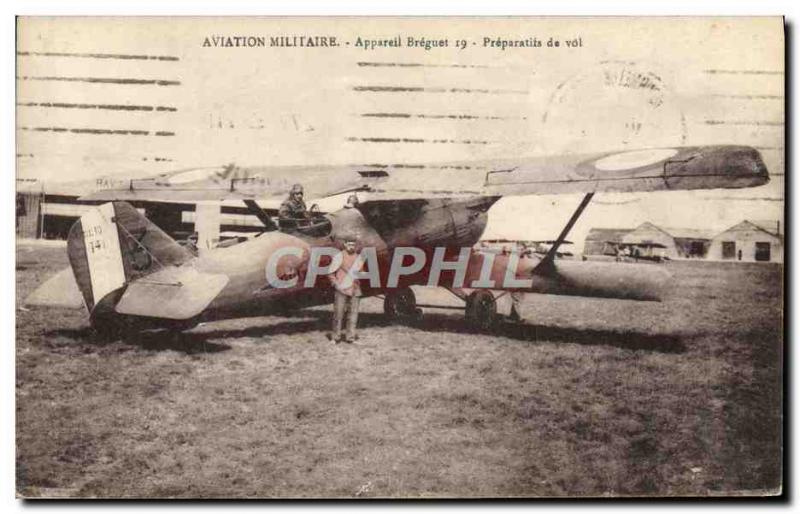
[(447, 223)]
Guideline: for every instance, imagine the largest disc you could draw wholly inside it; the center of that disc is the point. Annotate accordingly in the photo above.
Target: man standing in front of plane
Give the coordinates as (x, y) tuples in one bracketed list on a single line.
[(347, 294)]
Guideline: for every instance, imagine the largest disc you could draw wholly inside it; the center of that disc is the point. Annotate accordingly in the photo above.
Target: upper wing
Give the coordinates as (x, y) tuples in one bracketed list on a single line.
[(234, 183), (655, 169)]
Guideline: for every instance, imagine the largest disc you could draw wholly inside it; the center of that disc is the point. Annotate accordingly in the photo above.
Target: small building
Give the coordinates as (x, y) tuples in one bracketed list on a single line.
[(50, 213), (748, 241), (29, 210)]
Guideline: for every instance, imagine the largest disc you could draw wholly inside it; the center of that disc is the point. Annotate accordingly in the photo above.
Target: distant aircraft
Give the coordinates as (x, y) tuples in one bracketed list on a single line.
[(132, 275), (525, 247), (639, 251)]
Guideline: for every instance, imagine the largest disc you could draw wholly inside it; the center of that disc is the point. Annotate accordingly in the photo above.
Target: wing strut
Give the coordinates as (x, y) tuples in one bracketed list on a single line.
[(547, 262), (262, 216)]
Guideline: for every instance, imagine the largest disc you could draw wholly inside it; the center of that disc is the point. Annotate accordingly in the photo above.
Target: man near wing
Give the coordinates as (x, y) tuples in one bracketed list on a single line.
[(347, 293)]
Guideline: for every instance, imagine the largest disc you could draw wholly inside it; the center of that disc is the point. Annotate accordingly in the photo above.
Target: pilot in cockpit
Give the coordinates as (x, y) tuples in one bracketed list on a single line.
[(293, 212)]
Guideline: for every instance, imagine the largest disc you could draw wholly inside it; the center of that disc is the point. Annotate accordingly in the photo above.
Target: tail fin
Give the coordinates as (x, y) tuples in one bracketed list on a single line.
[(113, 244)]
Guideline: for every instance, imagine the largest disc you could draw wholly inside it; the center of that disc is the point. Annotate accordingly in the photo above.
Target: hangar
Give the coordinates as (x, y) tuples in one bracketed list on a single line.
[(672, 243), (678, 243), (748, 241), (48, 213), (603, 241), (28, 209)]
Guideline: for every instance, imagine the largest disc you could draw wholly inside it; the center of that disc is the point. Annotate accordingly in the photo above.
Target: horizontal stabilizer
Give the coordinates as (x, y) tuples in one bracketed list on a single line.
[(177, 293), (60, 290)]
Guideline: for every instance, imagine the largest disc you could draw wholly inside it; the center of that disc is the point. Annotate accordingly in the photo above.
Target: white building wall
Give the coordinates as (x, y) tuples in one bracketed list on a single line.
[(745, 237)]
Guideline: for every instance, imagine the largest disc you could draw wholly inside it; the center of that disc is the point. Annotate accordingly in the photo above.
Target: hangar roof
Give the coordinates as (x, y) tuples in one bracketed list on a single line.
[(689, 233), (607, 234), (769, 227)]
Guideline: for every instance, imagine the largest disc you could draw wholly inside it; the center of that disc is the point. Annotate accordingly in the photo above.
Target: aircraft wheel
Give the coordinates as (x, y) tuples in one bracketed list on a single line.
[(481, 311), (401, 304)]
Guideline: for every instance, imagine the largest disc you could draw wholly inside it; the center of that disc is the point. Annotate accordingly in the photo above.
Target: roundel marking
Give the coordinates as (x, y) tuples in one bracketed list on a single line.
[(634, 159)]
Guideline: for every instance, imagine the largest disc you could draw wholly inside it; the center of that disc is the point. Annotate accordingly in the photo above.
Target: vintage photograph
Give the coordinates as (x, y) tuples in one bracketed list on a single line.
[(399, 257)]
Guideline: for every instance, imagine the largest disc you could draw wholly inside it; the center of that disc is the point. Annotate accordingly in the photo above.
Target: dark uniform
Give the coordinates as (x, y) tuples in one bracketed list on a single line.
[(293, 210)]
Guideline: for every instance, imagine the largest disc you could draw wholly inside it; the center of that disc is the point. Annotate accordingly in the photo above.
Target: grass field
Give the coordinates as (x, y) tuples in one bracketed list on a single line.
[(590, 397)]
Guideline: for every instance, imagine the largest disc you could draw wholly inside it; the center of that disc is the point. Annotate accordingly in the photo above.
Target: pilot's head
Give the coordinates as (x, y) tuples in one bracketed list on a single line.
[(352, 201), (296, 191)]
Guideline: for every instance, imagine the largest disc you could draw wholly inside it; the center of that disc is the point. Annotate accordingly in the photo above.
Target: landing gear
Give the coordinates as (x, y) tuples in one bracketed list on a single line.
[(401, 305), (481, 311), (480, 307)]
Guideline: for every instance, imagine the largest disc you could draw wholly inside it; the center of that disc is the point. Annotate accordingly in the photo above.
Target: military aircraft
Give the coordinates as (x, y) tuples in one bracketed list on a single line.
[(132, 275), (639, 251)]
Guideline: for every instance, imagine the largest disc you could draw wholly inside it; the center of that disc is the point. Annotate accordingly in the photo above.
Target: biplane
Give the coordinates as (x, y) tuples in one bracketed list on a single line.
[(525, 247), (132, 275), (544, 246), (643, 250)]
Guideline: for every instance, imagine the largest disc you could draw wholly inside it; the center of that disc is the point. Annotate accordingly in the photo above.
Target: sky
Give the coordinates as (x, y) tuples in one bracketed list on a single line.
[(134, 97)]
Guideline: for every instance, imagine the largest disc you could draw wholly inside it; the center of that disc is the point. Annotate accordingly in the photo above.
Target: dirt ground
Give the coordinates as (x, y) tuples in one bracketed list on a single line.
[(589, 397)]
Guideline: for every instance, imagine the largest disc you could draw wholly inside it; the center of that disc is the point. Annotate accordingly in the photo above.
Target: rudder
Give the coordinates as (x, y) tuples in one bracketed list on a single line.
[(113, 244)]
